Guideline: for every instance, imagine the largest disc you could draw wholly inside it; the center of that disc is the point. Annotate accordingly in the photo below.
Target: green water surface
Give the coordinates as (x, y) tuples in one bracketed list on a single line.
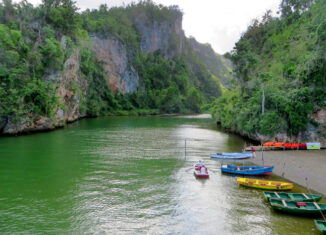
[(130, 175)]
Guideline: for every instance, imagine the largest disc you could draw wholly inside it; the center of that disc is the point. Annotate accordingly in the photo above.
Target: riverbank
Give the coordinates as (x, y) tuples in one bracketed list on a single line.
[(38, 124), (297, 166)]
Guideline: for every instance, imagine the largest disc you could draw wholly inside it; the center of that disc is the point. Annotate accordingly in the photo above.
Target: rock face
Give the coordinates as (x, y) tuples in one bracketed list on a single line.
[(313, 133), (70, 82), (167, 37), (69, 98), (164, 36), (120, 73)]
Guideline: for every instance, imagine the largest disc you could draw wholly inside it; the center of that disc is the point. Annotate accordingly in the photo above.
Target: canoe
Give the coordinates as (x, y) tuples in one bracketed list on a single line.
[(247, 170), (201, 172), (265, 184), (299, 197), (298, 208), (321, 225), (231, 156)]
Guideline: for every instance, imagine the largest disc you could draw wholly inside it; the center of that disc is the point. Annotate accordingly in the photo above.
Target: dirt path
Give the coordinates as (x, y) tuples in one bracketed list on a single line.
[(299, 165)]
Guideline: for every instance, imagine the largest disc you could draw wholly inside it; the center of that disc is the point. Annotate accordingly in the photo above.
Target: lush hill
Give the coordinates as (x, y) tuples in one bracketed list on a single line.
[(219, 66), (58, 64), (282, 59)]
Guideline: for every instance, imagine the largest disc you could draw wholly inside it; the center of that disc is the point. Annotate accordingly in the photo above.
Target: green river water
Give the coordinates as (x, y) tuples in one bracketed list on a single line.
[(130, 175)]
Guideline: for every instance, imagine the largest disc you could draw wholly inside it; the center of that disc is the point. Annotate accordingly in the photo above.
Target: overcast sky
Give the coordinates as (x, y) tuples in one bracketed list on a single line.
[(218, 22)]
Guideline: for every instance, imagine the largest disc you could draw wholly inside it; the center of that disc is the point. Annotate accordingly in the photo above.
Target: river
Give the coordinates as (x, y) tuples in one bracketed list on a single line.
[(130, 175)]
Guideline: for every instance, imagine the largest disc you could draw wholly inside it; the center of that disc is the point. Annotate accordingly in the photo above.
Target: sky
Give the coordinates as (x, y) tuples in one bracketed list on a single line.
[(217, 22)]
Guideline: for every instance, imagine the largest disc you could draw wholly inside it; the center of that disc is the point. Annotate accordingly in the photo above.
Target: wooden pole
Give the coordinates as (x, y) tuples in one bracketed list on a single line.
[(185, 148), (262, 154), (263, 100)]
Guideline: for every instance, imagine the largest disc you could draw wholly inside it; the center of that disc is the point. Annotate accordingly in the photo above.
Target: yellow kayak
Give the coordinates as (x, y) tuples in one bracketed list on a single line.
[(265, 184)]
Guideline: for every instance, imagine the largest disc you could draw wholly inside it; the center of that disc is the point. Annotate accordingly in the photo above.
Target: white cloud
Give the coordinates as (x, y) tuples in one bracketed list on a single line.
[(218, 22)]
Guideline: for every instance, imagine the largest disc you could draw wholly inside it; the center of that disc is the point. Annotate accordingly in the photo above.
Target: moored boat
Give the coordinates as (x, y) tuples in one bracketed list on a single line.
[(300, 197), (265, 184), (247, 170), (231, 156), (298, 208), (321, 225)]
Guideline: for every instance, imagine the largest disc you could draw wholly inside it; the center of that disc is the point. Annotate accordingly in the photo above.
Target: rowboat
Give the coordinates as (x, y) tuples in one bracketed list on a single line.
[(321, 225), (265, 184), (201, 171), (231, 156), (299, 197), (247, 170), (298, 208)]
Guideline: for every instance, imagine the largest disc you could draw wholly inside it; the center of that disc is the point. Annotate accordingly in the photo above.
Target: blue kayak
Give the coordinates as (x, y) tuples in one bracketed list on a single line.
[(247, 170), (231, 156)]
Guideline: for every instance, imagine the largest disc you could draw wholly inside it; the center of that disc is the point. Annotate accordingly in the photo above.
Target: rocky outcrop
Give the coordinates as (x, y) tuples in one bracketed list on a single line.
[(70, 91), (164, 36), (30, 123), (313, 133), (161, 33), (69, 85), (118, 67)]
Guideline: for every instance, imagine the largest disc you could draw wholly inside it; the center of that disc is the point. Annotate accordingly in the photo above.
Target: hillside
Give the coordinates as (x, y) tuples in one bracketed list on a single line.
[(58, 65), (219, 66), (279, 64)]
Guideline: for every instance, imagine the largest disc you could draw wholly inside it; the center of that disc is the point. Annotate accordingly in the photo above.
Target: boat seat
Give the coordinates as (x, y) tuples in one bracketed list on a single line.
[(301, 204), (317, 206), (277, 195), (305, 195), (284, 203)]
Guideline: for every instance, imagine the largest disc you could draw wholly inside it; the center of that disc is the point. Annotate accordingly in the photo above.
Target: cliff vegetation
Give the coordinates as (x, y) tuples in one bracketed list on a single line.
[(58, 64), (280, 66)]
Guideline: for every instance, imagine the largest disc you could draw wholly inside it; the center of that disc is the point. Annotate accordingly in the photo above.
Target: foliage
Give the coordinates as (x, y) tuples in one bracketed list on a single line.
[(287, 56), (166, 85), (37, 42)]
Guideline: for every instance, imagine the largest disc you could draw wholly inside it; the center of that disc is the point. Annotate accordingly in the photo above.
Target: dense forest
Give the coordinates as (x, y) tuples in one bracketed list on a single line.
[(280, 74), (38, 45)]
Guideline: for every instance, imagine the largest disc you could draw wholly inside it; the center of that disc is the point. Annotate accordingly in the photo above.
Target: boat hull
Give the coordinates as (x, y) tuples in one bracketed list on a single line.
[(292, 207), (247, 170), (321, 225), (231, 156), (299, 197), (265, 184), (199, 175)]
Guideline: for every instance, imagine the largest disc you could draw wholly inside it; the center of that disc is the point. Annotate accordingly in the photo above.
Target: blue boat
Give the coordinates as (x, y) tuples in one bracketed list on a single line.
[(247, 170), (231, 156)]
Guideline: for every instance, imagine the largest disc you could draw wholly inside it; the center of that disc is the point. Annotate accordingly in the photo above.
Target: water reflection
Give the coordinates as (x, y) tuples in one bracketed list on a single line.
[(130, 175)]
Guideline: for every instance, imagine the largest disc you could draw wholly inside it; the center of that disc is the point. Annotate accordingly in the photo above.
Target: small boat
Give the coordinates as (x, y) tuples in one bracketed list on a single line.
[(299, 197), (201, 171), (231, 156), (247, 170), (298, 208), (265, 184), (321, 225)]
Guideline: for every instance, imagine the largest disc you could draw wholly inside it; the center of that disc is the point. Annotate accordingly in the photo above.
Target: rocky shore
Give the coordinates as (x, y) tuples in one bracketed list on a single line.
[(304, 167)]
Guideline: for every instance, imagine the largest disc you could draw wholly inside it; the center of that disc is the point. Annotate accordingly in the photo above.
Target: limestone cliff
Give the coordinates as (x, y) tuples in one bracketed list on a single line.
[(66, 81), (155, 30), (116, 61), (164, 36)]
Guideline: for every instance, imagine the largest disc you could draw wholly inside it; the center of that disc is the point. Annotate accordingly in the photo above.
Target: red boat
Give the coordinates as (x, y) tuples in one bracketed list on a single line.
[(201, 171)]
